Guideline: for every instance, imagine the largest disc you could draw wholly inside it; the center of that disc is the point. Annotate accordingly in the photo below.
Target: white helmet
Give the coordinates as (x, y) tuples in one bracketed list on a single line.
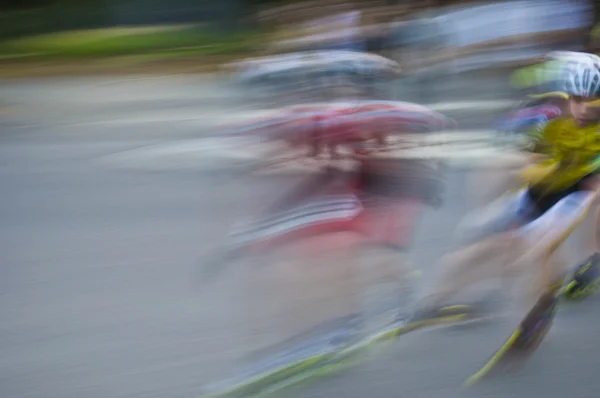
[(580, 73)]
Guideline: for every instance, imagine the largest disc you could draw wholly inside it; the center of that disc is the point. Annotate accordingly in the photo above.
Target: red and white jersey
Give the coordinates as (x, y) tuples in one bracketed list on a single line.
[(341, 125)]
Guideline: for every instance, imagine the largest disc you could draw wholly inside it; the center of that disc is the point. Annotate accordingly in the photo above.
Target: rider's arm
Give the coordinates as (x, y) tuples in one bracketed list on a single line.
[(539, 145), (542, 141), (540, 148)]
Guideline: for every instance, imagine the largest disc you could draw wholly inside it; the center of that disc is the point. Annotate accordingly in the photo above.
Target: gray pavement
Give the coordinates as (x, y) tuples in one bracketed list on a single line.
[(100, 290), (182, 100)]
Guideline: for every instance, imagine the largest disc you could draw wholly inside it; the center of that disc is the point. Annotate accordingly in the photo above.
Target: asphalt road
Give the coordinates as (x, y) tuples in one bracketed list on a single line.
[(182, 100), (99, 280)]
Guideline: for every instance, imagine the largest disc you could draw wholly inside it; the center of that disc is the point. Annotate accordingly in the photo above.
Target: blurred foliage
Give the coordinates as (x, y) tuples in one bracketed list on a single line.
[(51, 19), (23, 4), (46, 16), (128, 41)]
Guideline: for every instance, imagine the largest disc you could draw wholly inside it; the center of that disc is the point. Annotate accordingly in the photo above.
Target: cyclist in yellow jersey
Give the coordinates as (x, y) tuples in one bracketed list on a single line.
[(572, 150), (575, 141), (523, 227)]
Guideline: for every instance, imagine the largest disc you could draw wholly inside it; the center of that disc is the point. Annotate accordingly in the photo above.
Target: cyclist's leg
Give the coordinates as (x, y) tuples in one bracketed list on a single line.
[(468, 266), (490, 233), (586, 276), (304, 275), (386, 283), (551, 229), (544, 237), (498, 216), (387, 225), (319, 278), (304, 283), (515, 251), (362, 270), (544, 276), (395, 193), (589, 239), (587, 273)]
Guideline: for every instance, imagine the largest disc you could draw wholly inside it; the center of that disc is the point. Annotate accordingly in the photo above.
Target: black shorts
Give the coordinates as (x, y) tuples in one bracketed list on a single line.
[(398, 178), (543, 202)]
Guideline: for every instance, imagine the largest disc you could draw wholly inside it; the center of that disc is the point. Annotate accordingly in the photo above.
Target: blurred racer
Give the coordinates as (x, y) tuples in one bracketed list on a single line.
[(528, 225)]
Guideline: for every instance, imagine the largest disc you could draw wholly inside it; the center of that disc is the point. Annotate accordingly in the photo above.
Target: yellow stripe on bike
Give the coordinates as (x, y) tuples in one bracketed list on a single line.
[(489, 366), (268, 378)]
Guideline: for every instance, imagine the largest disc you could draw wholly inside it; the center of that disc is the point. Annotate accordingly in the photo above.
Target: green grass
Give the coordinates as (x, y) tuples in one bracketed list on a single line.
[(103, 43)]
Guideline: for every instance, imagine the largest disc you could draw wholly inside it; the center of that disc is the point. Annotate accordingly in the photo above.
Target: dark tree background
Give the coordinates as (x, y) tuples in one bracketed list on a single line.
[(23, 17)]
